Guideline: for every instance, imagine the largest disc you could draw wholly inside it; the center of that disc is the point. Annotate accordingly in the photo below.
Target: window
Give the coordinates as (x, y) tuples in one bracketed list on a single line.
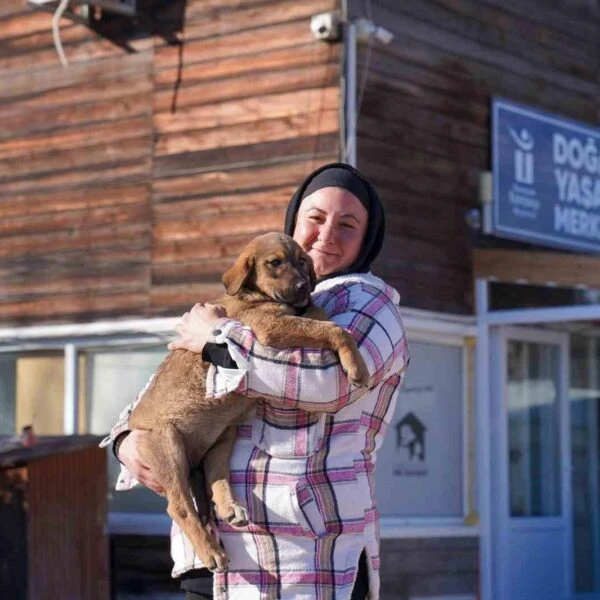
[(113, 380), (8, 394), (420, 466), (32, 392), (533, 429), (111, 370)]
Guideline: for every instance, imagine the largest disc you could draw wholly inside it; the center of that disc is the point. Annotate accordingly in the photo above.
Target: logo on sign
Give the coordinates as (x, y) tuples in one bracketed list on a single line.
[(410, 435), (523, 156)]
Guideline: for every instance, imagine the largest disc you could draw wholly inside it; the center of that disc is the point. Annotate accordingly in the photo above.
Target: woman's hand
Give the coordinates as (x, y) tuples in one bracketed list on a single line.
[(196, 327), (129, 455)]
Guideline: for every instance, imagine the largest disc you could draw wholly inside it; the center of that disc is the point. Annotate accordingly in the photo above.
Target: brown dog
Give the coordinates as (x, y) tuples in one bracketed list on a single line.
[(268, 288)]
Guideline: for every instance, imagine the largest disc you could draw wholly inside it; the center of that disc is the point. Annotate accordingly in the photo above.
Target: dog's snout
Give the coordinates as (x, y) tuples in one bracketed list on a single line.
[(302, 286)]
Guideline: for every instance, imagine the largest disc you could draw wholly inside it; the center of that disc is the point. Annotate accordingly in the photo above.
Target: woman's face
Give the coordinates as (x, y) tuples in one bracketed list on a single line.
[(330, 226)]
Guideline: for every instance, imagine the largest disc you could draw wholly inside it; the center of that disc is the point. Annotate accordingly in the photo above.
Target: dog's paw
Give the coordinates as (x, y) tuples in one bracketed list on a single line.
[(215, 560), (239, 518), (354, 364), (234, 514), (359, 379), (358, 373)]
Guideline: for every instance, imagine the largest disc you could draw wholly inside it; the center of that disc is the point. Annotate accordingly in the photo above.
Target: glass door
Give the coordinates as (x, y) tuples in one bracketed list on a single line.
[(532, 499)]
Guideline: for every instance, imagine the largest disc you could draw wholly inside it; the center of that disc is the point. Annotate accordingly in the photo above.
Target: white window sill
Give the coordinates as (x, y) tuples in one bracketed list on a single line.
[(395, 527)]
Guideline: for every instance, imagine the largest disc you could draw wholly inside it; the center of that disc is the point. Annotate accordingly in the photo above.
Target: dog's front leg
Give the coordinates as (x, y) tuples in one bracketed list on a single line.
[(316, 313), (290, 331)]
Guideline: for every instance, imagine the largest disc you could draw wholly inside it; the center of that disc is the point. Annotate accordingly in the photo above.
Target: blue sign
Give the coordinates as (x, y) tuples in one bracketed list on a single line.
[(546, 178)]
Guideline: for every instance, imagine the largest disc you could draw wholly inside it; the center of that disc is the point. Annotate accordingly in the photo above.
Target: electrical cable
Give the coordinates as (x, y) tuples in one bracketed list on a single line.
[(367, 63), (58, 13), (341, 114)]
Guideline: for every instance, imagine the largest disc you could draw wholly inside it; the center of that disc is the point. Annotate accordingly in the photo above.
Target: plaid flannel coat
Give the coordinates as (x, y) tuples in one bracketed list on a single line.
[(303, 464)]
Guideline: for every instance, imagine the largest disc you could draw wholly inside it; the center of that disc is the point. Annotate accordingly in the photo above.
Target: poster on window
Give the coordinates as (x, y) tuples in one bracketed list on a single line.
[(419, 467), (410, 431)]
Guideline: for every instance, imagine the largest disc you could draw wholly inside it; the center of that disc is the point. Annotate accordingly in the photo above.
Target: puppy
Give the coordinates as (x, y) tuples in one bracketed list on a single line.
[(268, 288)]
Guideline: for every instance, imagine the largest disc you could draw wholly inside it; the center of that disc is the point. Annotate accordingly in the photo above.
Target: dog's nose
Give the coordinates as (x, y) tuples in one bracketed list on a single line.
[(302, 286)]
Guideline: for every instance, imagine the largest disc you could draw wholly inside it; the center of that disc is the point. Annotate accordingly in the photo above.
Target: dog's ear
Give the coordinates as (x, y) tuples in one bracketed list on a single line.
[(235, 278), (311, 273)]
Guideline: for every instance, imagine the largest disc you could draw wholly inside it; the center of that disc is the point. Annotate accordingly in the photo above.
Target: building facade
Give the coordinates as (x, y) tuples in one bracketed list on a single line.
[(131, 178)]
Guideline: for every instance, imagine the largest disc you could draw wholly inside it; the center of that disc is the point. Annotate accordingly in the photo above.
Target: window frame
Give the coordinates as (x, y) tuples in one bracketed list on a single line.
[(421, 326), (461, 332)]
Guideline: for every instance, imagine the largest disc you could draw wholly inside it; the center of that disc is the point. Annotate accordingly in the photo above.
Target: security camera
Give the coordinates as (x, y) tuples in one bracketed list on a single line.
[(366, 29), (383, 35), (326, 26)]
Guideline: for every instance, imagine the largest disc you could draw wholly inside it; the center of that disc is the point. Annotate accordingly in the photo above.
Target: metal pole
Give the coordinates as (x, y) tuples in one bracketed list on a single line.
[(482, 375), (350, 42), (71, 405)]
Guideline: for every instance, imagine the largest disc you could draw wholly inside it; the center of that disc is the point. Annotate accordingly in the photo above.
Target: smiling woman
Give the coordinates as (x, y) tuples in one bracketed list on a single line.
[(336, 211), (330, 227), (303, 464)]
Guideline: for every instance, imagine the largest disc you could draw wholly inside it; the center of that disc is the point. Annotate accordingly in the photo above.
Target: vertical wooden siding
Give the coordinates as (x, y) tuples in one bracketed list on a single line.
[(425, 116), (67, 527), (13, 533), (130, 180)]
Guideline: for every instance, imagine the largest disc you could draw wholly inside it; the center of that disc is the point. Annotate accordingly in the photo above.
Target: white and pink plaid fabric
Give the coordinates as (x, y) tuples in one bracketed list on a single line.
[(303, 464)]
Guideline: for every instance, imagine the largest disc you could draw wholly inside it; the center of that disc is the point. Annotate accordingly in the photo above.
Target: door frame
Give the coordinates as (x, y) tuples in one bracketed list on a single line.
[(502, 522), (488, 322)]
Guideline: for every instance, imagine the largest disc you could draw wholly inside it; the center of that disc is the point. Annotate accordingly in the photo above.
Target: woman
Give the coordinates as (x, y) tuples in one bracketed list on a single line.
[(304, 464)]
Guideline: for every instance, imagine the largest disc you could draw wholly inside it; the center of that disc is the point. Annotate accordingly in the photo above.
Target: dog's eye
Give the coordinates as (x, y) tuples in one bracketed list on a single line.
[(276, 262)]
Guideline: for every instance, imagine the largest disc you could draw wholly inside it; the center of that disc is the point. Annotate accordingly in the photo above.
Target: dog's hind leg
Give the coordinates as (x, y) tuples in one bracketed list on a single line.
[(198, 486), (165, 454), (216, 472)]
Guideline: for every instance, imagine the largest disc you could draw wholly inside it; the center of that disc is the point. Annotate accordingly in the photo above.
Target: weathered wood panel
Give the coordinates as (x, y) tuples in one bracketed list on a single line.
[(75, 230), (67, 524), (311, 149), (245, 134), (432, 567), (55, 502), (537, 268), (27, 41), (190, 242), (130, 180), (423, 127), (243, 110), (202, 222)]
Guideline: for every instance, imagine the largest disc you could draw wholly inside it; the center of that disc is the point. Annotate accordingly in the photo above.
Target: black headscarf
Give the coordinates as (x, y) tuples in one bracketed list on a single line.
[(347, 177)]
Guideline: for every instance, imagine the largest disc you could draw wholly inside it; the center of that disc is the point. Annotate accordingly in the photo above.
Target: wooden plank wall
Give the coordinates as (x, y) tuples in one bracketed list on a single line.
[(430, 567), (75, 172), (67, 522), (130, 180), (425, 116)]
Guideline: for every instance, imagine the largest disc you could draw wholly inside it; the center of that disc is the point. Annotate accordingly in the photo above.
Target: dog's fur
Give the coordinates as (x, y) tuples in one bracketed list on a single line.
[(268, 288)]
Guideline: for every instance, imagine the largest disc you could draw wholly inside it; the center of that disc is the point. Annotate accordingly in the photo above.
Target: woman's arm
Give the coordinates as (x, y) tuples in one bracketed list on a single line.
[(312, 379), (125, 448)]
